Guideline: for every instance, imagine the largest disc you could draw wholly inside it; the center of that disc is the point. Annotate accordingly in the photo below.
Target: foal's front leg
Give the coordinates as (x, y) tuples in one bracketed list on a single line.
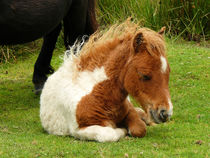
[(136, 126)]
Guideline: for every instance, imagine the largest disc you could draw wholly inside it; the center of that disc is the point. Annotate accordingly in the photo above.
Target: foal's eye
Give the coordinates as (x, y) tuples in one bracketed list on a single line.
[(146, 78)]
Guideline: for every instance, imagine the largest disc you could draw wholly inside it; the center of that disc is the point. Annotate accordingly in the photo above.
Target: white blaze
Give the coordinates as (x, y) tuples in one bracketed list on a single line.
[(163, 64), (170, 111)]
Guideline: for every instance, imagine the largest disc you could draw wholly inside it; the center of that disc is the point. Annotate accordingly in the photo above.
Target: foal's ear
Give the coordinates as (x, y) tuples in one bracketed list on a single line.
[(137, 41), (162, 30)]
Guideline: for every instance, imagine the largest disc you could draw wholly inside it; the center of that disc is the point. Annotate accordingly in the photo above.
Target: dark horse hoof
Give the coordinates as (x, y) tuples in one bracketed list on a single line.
[(40, 78), (38, 88)]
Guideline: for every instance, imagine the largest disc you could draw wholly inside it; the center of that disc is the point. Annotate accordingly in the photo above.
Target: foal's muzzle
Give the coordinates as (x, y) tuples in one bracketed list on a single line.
[(160, 116), (163, 115)]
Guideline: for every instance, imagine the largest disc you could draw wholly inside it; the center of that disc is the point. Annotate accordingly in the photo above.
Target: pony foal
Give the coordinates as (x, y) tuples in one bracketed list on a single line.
[(87, 96)]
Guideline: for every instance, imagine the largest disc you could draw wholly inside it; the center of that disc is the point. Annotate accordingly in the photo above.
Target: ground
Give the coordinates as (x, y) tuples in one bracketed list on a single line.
[(186, 135)]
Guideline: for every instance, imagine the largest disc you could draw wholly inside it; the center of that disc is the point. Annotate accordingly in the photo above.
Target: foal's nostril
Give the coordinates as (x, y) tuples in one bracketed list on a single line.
[(163, 115)]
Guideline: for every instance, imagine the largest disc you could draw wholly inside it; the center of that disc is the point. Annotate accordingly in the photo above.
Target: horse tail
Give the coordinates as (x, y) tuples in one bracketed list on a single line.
[(90, 26)]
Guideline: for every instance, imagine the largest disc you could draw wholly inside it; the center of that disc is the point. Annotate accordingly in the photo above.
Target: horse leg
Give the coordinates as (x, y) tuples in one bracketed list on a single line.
[(101, 134), (42, 66), (75, 22), (91, 23), (136, 126)]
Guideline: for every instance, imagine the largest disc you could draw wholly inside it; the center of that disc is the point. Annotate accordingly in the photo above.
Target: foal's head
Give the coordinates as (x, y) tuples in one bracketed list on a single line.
[(147, 75)]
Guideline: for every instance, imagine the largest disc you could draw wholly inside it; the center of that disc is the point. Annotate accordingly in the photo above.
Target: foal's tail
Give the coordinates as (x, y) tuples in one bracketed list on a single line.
[(90, 26)]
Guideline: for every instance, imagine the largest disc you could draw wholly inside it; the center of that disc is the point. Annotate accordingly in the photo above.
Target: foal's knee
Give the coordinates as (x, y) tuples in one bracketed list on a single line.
[(136, 126), (138, 130)]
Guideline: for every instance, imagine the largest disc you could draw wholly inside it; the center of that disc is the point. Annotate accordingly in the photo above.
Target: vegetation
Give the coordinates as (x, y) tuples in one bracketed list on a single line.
[(186, 135), (187, 18)]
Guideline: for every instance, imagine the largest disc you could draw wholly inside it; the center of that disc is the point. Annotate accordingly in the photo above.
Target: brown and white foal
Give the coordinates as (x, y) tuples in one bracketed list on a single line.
[(87, 96)]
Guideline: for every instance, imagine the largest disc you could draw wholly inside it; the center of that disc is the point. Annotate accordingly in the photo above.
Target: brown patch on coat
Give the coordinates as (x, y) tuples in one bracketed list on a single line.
[(98, 108)]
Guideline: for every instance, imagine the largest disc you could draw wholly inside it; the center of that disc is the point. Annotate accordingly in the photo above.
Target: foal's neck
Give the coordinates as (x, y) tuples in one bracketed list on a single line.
[(113, 59), (115, 68)]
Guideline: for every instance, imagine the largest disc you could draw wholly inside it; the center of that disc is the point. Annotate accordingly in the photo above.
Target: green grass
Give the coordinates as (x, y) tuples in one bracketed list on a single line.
[(187, 18), (21, 134)]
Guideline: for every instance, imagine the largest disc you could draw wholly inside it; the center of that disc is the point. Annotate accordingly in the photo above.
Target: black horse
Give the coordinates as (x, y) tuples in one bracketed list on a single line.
[(26, 20)]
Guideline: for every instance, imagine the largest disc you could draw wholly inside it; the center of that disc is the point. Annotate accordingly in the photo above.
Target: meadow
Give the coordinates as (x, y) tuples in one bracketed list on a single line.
[(186, 135)]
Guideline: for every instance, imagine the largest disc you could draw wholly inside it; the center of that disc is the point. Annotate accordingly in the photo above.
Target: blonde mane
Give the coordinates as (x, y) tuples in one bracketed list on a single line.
[(94, 53), (96, 50)]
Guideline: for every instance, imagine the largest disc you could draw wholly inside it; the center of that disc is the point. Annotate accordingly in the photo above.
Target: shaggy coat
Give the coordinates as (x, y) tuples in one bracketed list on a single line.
[(86, 96)]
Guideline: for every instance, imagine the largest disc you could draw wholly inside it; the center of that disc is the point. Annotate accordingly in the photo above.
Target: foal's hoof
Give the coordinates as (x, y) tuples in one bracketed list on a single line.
[(144, 117), (38, 88)]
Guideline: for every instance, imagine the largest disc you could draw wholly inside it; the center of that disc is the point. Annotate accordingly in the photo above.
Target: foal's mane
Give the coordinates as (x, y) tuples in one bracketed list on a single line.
[(98, 47), (95, 52)]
